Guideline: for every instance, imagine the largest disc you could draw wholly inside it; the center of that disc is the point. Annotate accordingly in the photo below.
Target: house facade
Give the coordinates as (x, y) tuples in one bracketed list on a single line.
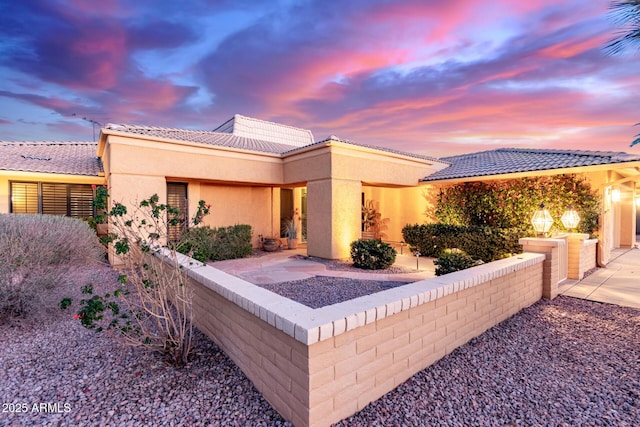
[(263, 173)]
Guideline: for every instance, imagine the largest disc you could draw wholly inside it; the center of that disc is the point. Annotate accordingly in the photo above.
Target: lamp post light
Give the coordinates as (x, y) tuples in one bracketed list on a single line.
[(570, 219), (542, 221), (417, 254)]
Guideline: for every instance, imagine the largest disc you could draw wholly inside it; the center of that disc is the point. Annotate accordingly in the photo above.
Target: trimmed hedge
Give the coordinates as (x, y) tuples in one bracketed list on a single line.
[(372, 254), (485, 243), (454, 260), (217, 244)]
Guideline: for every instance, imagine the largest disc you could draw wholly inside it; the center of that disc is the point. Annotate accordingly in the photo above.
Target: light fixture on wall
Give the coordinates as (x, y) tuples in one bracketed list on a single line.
[(542, 221), (615, 195), (570, 219)]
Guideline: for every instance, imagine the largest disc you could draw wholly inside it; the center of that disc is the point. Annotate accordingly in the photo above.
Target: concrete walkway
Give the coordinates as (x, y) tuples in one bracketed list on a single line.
[(618, 283), (287, 265)]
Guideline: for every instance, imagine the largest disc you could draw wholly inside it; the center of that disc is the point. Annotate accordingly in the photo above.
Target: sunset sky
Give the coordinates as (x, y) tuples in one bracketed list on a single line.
[(429, 76)]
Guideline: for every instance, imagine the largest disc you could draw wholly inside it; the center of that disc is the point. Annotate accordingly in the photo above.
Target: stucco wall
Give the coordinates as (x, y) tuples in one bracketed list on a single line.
[(256, 206), (142, 157), (398, 207)]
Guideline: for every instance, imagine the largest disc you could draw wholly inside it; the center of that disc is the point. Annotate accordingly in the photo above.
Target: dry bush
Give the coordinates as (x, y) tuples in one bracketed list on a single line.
[(37, 252), (153, 307)]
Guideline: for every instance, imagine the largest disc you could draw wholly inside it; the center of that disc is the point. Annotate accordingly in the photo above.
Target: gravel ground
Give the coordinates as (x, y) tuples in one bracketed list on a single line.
[(319, 291), (562, 362)]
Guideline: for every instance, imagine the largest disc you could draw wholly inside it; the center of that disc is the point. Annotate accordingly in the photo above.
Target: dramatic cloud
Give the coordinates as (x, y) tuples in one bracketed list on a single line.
[(418, 75)]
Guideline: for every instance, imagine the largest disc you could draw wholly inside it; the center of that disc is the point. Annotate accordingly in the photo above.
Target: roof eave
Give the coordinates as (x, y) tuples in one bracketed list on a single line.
[(538, 172), (154, 138)]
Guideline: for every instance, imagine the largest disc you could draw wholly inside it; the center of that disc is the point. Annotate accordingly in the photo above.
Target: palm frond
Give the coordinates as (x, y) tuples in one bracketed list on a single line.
[(625, 14)]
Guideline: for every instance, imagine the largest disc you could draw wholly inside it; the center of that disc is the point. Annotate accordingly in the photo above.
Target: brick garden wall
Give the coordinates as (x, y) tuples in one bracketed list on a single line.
[(318, 366)]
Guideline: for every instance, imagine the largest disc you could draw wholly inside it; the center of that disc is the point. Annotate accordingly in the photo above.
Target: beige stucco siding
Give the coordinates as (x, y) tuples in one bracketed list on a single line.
[(142, 157), (231, 205)]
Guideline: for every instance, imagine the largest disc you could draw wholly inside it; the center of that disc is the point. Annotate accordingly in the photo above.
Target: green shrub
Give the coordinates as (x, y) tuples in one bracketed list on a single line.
[(217, 244), (485, 243), (36, 254), (372, 254), (454, 260), (196, 243), (510, 204)]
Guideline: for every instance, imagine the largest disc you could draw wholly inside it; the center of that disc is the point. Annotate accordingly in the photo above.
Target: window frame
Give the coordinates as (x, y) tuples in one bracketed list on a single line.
[(74, 203)]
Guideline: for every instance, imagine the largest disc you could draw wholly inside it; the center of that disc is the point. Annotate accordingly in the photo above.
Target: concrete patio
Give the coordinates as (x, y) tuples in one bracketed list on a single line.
[(287, 265), (618, 283)]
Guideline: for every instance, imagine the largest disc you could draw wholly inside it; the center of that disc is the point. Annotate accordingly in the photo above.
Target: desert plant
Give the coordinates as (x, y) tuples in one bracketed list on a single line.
[(372, 254), (36, 254), (153, 307), (290, 229), (454, 260)]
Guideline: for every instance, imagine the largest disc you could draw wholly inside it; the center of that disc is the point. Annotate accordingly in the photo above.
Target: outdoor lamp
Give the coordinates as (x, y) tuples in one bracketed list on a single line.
[(570, 219), (542, 220), (615, 195)]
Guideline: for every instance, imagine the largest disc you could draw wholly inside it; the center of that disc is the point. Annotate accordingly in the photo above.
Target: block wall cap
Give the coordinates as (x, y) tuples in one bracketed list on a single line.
[(310, 326)]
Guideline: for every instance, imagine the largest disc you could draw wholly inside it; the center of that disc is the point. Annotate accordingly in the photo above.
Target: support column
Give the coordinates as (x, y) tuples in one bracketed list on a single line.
[(333, 217), (551, 267), (582, 255)]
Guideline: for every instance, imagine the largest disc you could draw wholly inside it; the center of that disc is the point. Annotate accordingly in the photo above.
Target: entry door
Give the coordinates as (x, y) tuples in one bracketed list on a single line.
[(286, 208)]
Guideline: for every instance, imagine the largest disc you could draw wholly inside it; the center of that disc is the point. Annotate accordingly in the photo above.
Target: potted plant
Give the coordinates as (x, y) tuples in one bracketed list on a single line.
[(270, 244), (371, 219), (290, 231), (100, 203)]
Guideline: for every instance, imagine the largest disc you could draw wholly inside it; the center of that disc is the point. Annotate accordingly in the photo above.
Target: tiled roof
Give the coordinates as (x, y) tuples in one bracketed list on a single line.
[(74, 158), (373, 147), (219, 139), (249, 127), (513, 160)]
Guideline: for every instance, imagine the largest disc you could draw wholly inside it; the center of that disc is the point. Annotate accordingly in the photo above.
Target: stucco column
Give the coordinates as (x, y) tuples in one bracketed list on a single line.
[(333, 217), (551, 267)]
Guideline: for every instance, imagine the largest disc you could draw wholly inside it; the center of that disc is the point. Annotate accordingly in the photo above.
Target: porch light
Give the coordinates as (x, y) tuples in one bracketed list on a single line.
[(542, 221), (615, 195), (570, 219)]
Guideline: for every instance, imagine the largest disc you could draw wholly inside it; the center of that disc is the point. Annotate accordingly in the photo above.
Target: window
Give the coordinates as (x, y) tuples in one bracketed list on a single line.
[(74, 200), (177, 198)]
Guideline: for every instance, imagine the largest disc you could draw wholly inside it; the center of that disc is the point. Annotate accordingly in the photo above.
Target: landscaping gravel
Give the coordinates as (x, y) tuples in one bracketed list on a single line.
[(320, 291), (562, 362)]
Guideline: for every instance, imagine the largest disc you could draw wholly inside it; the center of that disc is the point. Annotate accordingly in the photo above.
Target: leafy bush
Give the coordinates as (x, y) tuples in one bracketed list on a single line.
[(36, 254), (217, 244), (372, 254), (510, 204), (454, 260)]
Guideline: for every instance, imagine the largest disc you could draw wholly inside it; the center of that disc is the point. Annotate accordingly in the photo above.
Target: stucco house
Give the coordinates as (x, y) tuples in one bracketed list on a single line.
[(260, 173)]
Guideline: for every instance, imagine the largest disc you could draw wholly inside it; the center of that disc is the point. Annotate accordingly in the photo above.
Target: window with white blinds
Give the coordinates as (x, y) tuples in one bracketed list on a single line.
[(177, 198), (75, 200)]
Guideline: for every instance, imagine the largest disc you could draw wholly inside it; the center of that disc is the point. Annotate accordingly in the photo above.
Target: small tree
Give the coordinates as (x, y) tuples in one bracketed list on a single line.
[(152, 308)]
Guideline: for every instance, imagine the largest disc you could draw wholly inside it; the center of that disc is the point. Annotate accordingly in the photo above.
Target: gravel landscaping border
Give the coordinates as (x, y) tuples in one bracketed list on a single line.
[(319, 291), (564, 362)]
